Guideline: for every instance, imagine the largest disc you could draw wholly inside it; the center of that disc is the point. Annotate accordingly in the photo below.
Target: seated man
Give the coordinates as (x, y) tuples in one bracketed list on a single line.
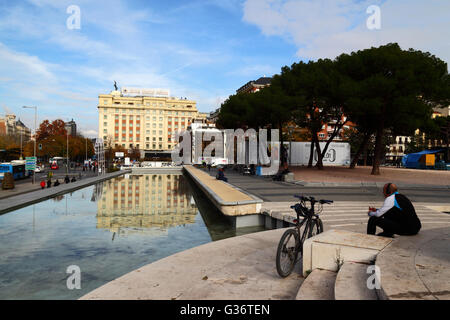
[(397, 216), (221, 176)]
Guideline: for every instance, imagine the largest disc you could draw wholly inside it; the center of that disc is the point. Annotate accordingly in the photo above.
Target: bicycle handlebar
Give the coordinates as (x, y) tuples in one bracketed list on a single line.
[(312, 199)]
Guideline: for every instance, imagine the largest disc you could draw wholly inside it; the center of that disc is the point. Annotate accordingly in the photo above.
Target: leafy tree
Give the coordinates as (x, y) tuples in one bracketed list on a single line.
[(54, 128), (319, 94), (396, 89)]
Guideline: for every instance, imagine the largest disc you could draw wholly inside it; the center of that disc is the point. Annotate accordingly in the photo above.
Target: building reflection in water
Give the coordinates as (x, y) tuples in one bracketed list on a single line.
[(149, 203)]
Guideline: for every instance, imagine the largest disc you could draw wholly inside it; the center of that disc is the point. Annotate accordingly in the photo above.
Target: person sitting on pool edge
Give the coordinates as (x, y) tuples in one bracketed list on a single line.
[(396, 216), (221, 176)]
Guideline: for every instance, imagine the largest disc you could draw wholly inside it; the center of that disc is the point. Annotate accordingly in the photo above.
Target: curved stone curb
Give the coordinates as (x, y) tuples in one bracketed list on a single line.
[(238, 268), (399, 268)]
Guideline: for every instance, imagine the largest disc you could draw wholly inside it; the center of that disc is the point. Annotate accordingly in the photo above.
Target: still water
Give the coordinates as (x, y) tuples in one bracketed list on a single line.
[(107, 230)]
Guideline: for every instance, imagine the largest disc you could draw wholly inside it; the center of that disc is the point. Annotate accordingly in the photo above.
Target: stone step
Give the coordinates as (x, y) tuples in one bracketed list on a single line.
[(319, 285), (351, 283)]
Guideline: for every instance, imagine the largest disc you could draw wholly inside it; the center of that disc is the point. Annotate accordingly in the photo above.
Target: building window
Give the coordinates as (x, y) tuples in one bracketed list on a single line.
[(105, 117)]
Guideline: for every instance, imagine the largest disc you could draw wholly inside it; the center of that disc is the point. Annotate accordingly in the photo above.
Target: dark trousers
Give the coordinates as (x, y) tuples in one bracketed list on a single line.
[(389, 227)]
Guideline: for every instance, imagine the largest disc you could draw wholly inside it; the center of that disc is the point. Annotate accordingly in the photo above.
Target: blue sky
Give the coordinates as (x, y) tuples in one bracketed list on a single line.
[(203, 50)]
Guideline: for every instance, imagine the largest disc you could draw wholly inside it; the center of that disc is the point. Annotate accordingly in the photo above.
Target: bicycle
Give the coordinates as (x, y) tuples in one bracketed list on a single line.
[(287, 253)]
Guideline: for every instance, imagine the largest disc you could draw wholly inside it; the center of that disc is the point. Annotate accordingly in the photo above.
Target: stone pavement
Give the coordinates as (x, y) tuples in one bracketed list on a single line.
[(22, 200), (25, 186), (417, 267), (268, 190), (352, 215), (239, 268), (361, 174)]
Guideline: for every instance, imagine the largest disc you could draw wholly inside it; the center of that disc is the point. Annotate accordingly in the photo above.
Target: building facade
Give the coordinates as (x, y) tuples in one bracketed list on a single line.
[(255, 85), (10, 126), (147, 123), (71, 128)]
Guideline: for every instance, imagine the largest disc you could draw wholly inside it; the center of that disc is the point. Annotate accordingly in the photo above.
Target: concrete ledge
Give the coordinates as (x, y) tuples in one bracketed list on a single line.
[(23, 200), (162, 170), (230, 200), (330, 249), (416, 267), (239, 268), (319, 285), (351, 283)]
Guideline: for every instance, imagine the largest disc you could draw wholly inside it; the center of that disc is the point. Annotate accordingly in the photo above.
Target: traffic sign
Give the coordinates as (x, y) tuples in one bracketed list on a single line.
[(30, 163)]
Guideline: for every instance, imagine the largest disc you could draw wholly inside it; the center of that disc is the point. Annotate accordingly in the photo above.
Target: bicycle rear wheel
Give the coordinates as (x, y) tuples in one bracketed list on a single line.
[(287, 252)]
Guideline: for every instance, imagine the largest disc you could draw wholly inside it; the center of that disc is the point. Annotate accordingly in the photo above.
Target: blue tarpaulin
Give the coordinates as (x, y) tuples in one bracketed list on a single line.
[(411, 160)]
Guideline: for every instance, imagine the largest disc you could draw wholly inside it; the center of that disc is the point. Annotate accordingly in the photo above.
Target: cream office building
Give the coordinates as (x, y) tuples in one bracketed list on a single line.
[(144, 122)]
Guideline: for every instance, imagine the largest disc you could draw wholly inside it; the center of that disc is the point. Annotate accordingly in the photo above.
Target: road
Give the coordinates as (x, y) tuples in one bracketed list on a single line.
[(268, 190)]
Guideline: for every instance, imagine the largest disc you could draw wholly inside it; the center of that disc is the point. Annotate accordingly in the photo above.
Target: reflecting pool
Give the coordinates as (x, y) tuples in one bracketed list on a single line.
[(107, 230)]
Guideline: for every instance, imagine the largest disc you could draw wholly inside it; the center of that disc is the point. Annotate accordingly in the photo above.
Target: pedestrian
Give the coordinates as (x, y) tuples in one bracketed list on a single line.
[(73, 179), (43, 184), (49, 183), (396, 216), (56, 183), (66, 179), (221, 176)]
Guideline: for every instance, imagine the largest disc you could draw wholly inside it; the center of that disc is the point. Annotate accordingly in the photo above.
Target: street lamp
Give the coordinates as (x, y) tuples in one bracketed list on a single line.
[(35, 137)]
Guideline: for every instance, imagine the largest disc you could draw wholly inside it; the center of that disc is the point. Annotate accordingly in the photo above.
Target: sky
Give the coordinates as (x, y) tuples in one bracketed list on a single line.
[(201, 49)]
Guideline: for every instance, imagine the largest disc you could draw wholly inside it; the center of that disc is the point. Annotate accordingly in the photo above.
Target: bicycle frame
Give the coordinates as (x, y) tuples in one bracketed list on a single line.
[(308, 219)]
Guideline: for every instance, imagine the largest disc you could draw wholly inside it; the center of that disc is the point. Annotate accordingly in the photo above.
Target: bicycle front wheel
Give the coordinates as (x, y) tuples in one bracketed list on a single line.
[(316, 228), (287, 252)]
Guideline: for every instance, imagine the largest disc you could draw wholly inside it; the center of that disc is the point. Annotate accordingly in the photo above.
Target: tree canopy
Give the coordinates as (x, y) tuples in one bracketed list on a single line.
[(385, 91)]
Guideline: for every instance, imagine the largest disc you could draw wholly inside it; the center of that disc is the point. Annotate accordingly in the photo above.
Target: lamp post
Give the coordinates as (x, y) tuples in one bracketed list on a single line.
[(35, 137), (67, 152)]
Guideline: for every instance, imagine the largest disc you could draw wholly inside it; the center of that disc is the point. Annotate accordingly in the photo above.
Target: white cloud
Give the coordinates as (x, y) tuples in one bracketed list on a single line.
[(20, 66), (325, 29)]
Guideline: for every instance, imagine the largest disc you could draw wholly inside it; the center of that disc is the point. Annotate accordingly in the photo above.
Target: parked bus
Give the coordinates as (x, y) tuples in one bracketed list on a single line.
[(17, 168)]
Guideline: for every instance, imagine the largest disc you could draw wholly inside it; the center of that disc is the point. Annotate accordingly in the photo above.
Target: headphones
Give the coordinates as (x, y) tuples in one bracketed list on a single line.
[(388, 188)]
